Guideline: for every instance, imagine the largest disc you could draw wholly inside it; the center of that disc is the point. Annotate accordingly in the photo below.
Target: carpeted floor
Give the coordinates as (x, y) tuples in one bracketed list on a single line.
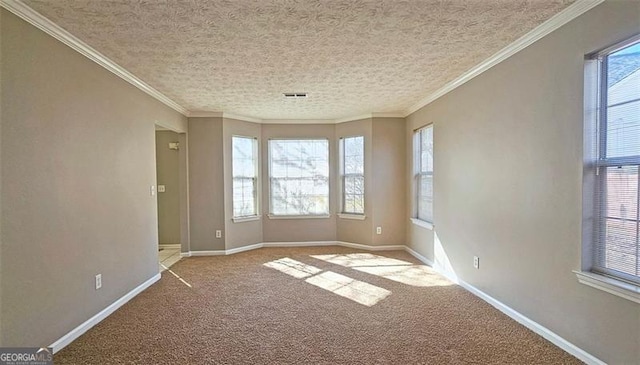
[(239, 311)]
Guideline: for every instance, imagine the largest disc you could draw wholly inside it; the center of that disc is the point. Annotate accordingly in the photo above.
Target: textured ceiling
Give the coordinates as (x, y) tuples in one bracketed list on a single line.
[(352, 56)]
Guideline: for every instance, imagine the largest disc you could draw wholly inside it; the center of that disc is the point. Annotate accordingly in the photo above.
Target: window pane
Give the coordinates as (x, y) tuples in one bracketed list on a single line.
[(424, 173), (623, 129), (426, 149), (425, 197), (623, 104), (244, 171), (354, 194), (352, 149), (243, 197), (620, 249), (353, 155), (299, 172)]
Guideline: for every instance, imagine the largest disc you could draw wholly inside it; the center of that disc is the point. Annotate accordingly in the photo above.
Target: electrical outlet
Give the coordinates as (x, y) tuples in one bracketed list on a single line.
[(161, 189), (218, 233), (98, 281), (378, 230), (476, 262), (152, 190)]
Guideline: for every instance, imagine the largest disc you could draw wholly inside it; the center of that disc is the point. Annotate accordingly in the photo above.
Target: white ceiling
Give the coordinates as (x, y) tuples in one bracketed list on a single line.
[(352, 56)]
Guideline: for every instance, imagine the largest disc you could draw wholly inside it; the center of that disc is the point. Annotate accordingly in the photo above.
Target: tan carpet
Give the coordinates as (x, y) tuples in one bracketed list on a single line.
[(239, 311)]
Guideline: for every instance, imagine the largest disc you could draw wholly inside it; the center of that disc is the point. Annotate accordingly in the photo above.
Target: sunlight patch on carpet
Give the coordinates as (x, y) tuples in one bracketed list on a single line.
[(360, 259), (415, 275), (358, 291), (292, 267), (177, 276), (388, 268)]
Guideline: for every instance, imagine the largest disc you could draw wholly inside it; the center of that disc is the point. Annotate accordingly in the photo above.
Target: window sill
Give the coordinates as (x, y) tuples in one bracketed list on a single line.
[(323, 216), (246, 219), (616, 287), (421, 223), (359, 217)]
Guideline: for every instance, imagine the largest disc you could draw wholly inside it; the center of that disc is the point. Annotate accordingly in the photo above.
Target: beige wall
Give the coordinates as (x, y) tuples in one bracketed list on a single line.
[(168, 174), (78, 163), (350, 230), (508, 181), (295, 230), (206, 184), (241, 233), (388, 194)]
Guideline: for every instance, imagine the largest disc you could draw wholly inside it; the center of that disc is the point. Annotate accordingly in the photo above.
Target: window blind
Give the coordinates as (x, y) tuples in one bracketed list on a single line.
[(616, 250), (423, 142), (244, 155), (352, 166)]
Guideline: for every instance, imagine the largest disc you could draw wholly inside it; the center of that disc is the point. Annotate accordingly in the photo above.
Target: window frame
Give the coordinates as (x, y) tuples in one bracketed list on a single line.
[(418, 175), (594, 272), (343, 176), (256, 179), (272, 215), (603, 162)]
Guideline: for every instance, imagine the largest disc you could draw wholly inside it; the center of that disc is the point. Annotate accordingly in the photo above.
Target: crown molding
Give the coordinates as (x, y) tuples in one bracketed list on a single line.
[(242, 117), (204, 114), (34, 18), (298, 121), (565, 16), (369, 116)]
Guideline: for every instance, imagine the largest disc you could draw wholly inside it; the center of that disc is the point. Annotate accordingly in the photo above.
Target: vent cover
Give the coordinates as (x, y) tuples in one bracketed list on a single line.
[(295, 95)]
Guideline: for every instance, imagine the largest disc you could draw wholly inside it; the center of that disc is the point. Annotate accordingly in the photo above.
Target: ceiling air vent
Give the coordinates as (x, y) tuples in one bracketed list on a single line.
[(295, 95)]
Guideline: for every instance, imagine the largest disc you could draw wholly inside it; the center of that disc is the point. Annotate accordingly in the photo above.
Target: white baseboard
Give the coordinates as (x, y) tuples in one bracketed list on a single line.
[(243, 248), (84, 327), (169, 245), (418, 256), (292, 244), (300, 244), (517, 316), (371, 248), (205, 253)]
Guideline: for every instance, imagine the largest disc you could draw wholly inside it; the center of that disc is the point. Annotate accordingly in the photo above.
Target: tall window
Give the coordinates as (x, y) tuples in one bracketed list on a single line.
[(616, 249), (245, 176), (299, 176), (352, 173), (423, 163)]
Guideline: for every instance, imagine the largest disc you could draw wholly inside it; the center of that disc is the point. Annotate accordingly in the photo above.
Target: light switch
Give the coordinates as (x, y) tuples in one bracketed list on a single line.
[(152, 190), (161, 189)]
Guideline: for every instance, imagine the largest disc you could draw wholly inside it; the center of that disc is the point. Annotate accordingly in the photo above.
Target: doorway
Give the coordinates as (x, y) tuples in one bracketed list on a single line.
[(168, 187)]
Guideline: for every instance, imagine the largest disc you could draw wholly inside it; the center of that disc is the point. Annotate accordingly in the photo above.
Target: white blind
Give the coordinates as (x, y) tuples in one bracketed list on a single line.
[(244, 155), (299, 176), (352, 153), (616, 250), (423, 144)]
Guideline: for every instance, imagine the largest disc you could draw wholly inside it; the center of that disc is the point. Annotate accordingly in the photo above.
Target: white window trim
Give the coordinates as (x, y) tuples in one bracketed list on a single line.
[(301, 216), (312, 216), (249, 218), (257, 197), (354, 216), (343, 175), (610, 285), (423, 224), (416, 172)]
